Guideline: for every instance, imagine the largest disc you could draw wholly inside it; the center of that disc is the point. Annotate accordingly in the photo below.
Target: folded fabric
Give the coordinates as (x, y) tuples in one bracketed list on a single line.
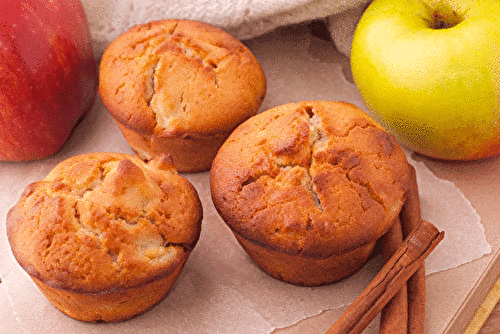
[(342, 25), (242, 18)]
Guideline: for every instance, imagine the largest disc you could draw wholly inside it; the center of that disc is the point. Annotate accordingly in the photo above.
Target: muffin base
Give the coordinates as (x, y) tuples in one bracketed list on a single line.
[(109, 306), (189, 155), (306, 271)]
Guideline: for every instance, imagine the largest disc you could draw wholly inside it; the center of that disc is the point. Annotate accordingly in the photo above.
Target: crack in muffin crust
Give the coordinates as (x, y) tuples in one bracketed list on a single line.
[(310, 178), (161, 46), (97, 218), (317, 140), (179, 87)]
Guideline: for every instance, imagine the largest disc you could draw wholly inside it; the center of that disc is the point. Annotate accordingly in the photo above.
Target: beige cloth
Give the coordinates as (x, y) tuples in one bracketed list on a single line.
[(242, 18)]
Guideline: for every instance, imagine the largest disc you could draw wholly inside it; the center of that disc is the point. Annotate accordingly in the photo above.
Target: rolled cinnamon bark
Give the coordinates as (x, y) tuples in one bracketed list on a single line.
[(394, 316), (409, 257), (410, 219)]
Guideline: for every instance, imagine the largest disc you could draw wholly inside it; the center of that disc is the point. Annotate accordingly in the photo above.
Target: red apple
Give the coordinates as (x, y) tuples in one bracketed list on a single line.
[(48, 76)]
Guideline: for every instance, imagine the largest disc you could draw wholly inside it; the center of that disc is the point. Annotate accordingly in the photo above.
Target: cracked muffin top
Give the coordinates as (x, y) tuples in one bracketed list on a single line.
[(180, 78), (314, 178), (105, 221)]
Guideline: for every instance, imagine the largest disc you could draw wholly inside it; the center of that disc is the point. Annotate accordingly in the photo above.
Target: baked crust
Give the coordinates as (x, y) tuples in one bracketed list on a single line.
[(313, 179), (179, 79), (105, 224)]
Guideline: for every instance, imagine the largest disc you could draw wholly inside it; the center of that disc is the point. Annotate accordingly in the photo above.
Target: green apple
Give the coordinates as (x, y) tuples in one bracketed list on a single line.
[(429, 71)]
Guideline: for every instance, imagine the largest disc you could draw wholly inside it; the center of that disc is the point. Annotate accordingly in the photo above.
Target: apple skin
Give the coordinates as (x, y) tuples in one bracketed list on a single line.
[(436, 90), (48, 76)]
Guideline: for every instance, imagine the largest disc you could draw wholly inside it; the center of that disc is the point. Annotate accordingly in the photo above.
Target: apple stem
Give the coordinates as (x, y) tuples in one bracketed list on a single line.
[(443, 16), (441, 21)]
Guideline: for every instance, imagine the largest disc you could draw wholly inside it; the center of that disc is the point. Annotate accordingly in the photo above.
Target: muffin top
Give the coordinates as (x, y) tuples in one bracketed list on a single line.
[(105, 221), (180, 78), (314, 178)]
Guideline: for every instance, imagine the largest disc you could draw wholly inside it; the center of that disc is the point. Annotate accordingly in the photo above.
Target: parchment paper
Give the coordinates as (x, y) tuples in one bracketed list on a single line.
[(220, 289)]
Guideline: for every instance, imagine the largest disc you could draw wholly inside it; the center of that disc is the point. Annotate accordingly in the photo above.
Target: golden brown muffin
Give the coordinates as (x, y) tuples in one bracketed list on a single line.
[(308, 188), (179, 87), (105, 236)]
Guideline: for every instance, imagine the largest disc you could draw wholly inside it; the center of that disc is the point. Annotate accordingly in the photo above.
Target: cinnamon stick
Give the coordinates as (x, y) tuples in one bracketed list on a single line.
[(410, 219), (394, 316), (393, 276)]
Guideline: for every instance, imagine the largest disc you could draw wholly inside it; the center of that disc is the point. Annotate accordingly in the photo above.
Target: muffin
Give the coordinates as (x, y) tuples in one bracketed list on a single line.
[(179, 87), (308, 188), (104, 236)]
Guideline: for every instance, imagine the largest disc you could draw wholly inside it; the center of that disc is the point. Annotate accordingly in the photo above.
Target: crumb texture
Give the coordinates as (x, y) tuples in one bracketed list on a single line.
[(314, 178), (105, 221), (174, 77)]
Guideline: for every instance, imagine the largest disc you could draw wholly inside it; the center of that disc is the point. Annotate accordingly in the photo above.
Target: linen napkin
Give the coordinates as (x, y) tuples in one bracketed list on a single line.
[(244, 19)]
